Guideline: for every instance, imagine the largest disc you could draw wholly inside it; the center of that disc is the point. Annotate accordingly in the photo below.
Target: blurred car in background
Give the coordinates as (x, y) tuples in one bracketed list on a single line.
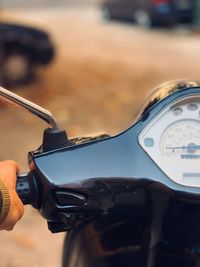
[(22, 49), (149, 13)]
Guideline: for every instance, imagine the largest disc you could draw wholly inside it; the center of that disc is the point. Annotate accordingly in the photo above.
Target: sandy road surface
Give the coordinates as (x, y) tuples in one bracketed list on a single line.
[(98, 81)]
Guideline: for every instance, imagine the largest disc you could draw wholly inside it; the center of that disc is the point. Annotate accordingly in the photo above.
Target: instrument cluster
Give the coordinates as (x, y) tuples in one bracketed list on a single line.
[(172, 140)]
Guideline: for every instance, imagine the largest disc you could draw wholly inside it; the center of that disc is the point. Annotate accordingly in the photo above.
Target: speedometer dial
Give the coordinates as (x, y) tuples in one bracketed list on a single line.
[(180, 142), (172, 141)]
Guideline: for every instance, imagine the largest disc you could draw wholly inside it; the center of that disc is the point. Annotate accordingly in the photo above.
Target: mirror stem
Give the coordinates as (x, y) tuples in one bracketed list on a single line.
[(31, 107)]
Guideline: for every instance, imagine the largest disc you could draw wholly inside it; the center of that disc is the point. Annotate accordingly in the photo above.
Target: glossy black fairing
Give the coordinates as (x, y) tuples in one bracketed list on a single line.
[(165, 234), (89, 170), (115, 157), (119, 207)]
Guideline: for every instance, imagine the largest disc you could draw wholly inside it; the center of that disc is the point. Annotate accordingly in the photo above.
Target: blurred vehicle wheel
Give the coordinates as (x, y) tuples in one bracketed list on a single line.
[(142, 18), (16, 68)]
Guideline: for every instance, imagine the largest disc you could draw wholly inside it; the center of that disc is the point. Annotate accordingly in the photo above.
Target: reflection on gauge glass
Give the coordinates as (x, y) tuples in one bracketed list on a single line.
[(180, 142)]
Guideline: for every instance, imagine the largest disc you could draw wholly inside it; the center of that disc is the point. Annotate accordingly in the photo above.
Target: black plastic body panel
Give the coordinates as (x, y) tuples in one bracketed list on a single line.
[(119, 206), (164, 235), (115, 158)]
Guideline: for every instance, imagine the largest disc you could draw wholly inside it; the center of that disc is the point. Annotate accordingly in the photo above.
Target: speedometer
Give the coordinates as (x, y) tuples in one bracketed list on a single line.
[(172, 140), (180, 142)]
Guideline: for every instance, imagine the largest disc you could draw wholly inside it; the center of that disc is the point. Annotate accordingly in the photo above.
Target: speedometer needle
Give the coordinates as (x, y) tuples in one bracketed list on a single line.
[(191, 147)]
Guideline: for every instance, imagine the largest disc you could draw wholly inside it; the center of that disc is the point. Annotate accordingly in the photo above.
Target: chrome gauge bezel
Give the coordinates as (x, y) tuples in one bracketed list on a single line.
[(155, 130)]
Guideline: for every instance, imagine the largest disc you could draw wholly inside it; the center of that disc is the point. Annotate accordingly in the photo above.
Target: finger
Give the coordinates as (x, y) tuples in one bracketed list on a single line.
[(10, 164), (8, 169), (16, 203)]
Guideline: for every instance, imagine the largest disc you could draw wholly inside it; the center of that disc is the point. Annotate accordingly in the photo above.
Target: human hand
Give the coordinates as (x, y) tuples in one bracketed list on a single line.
[(12, 208)]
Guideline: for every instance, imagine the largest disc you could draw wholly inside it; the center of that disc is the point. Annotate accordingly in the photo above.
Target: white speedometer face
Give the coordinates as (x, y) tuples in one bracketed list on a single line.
[(180, 142), (172, 140)]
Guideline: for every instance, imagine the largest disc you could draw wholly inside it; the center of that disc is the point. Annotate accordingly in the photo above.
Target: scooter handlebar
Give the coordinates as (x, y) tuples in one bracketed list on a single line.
[(28, 190)]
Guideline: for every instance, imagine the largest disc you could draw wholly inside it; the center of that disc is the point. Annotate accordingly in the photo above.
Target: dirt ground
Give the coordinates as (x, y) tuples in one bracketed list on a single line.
[(98, 81)]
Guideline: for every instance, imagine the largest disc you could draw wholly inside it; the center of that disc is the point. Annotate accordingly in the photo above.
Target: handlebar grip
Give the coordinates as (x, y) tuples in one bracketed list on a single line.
[(28, 190), (23, 188)]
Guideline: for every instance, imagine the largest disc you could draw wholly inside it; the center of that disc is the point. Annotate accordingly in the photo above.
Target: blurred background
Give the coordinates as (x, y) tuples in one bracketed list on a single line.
[(92, 64)]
